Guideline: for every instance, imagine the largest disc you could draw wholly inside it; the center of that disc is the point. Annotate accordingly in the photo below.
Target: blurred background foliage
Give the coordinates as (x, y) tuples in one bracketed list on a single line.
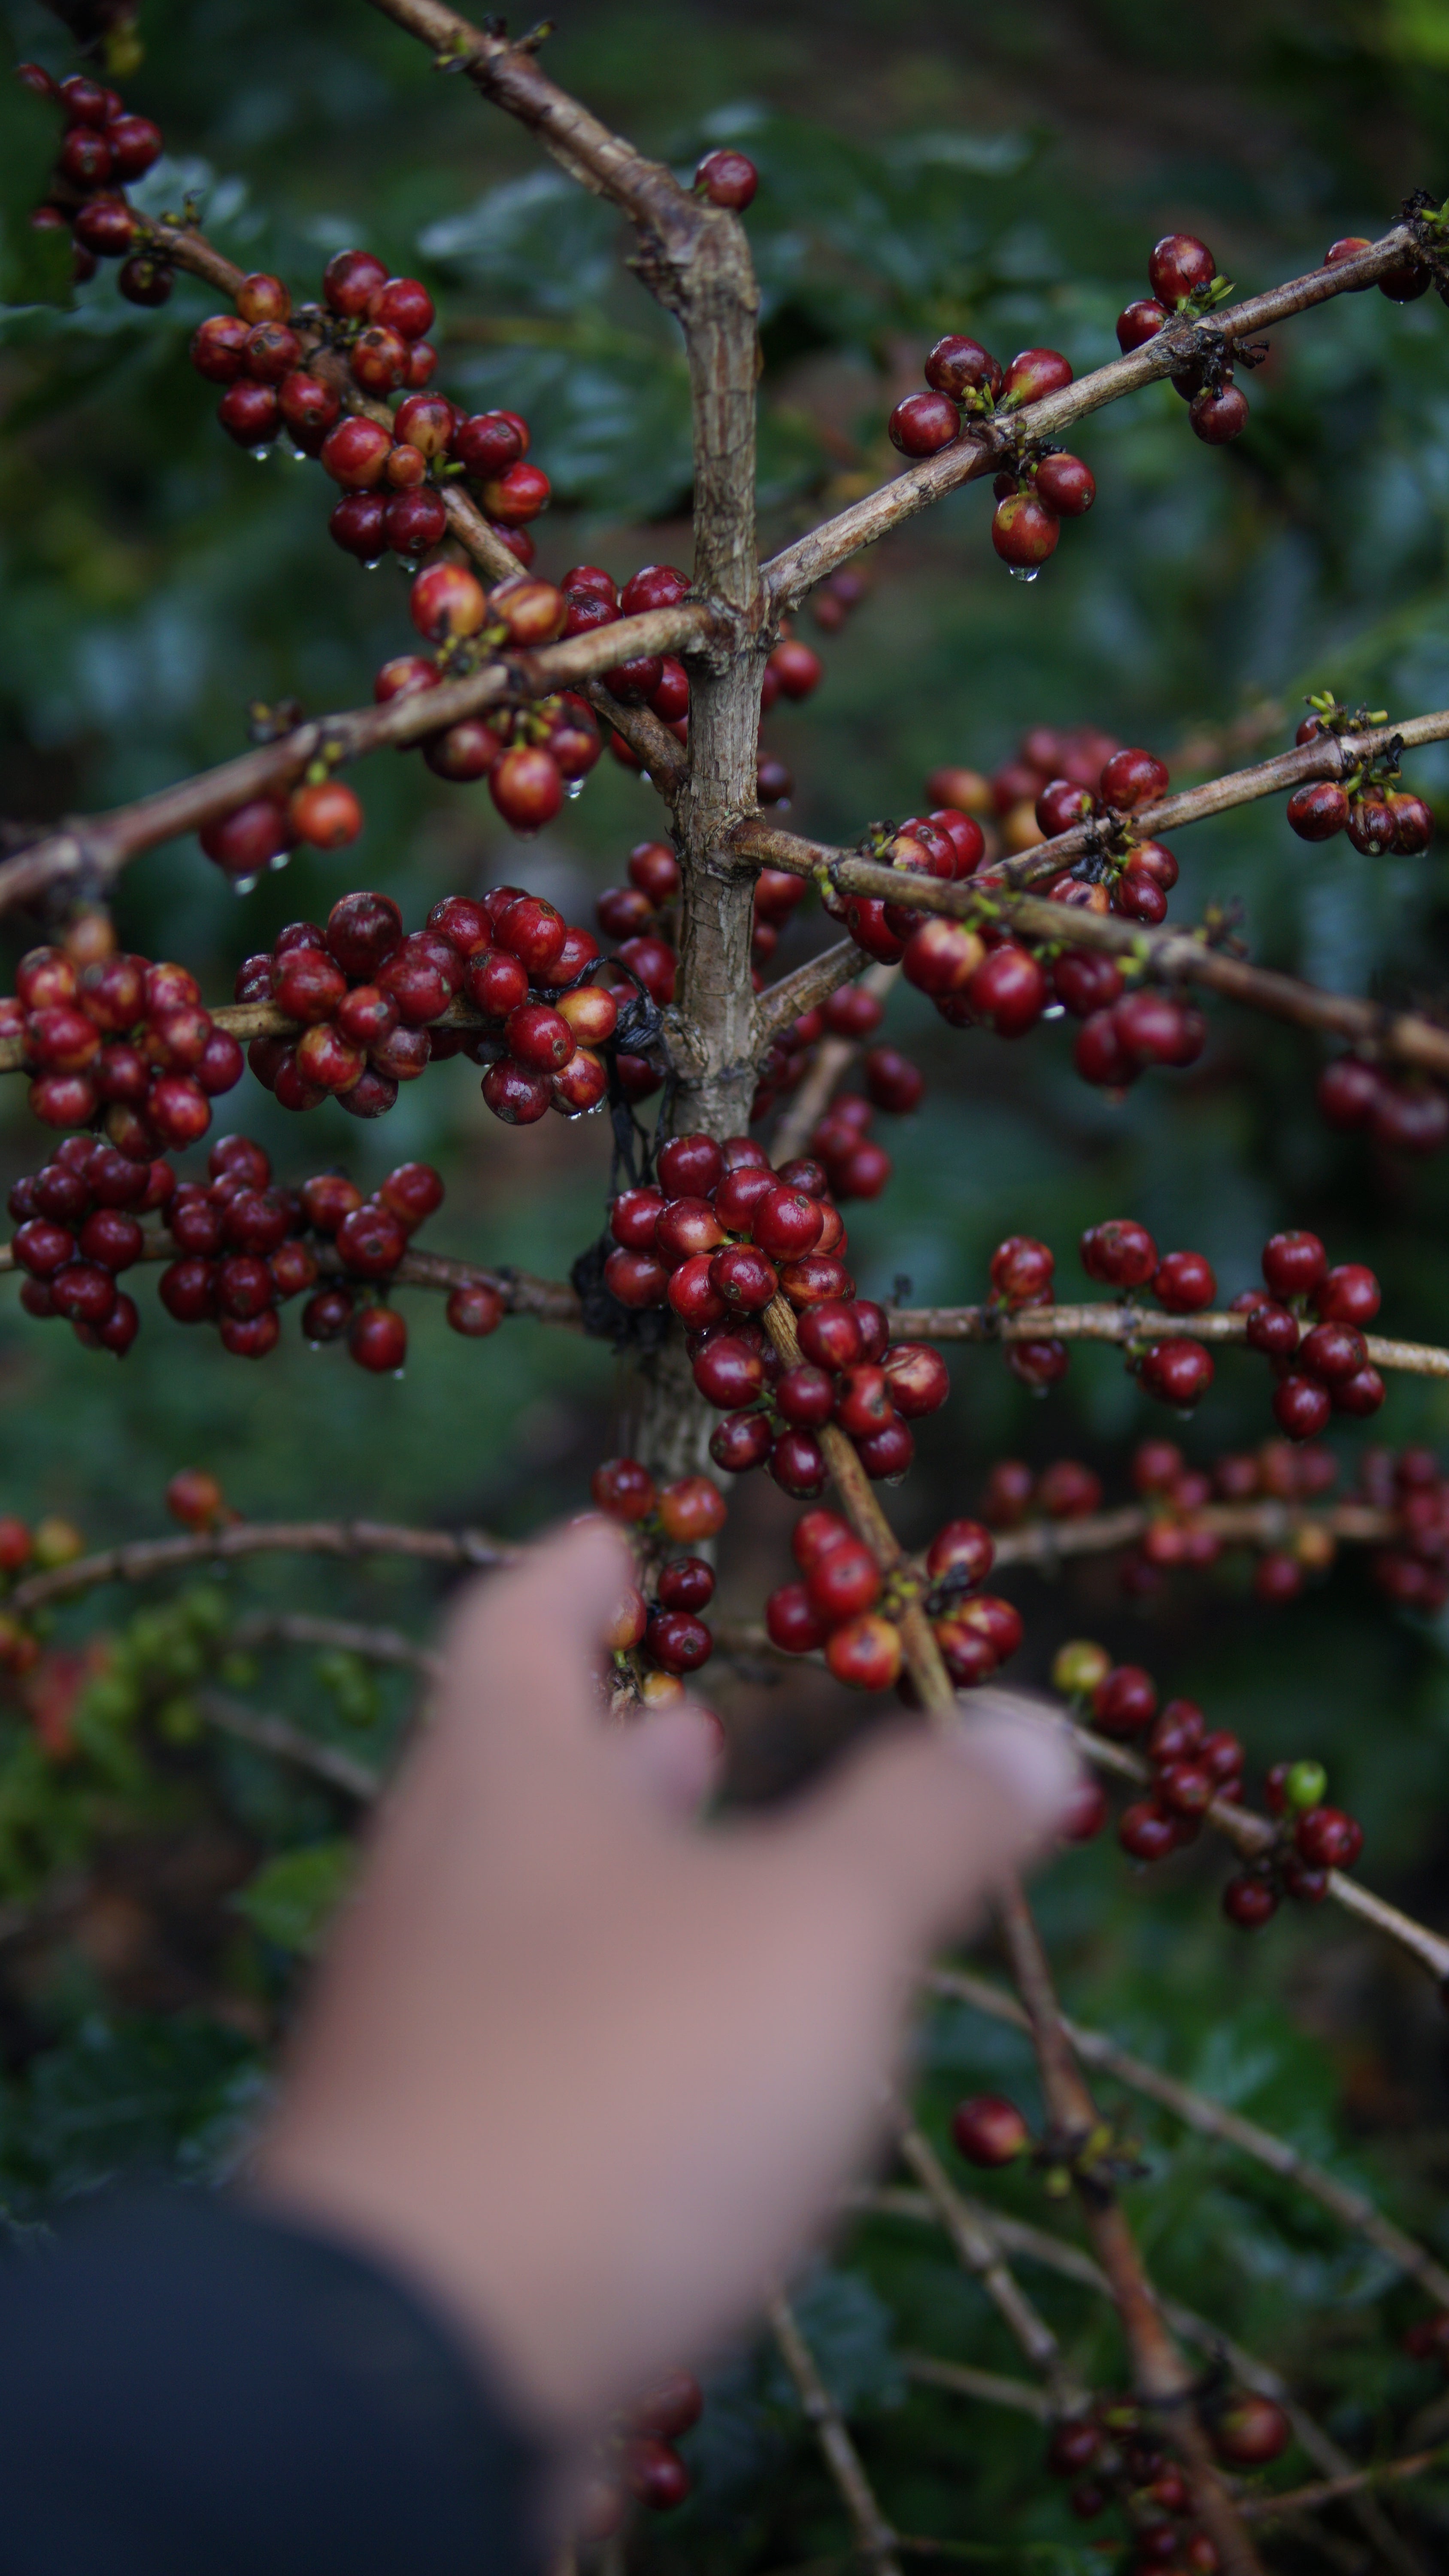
[(970, 165)]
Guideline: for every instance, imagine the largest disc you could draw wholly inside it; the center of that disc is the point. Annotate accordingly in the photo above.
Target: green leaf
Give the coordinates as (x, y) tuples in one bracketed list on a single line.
[(291, 1899)]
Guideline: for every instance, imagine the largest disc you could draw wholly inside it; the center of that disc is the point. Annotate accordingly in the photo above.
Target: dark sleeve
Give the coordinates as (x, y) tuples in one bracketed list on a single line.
[(190, 2389)]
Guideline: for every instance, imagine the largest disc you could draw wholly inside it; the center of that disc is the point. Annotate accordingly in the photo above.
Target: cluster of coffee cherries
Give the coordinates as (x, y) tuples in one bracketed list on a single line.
[(657, 1635), (77, 1227), (1313, 1839), (1042, 486), (1183, 276), (1137, 876), (1176, 1496), (1378, 816), (118, 1039), (1077, 754), (1414, 1569), (103, 146), (638, 2461), (1308, 1320), (370, 998), (1407, 1113), (1119, 1254), (1113, 2455), (844, 1604), (245, 1247)]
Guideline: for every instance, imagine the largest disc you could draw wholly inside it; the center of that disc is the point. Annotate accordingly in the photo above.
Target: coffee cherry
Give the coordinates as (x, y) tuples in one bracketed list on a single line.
[(1250, 2431), (743, 1277), (1180, 267), (1008, 991), (1294, 1264), (1359, 1395), (917, 1379), (1119, 1253), (377, 1338), (1406, 281), (1319, 810), (941, 956), (923, 423), (962, 368), (727, 179), (1332, 1352), (516, 496), (1326, 1838), (865, 1653), (1145, 1831), (1138, 323), (1273, 1329), (678, 1641), (1184, 1283), (526, 786), (1216, 417), (1066, 485), (1131, 779), (1124, 1701), (1347, 1294), (1024, 531), (1178, 1372), (988, 2131), (740, 1442), (690, 1510), (797, 1464), (1032, 375)]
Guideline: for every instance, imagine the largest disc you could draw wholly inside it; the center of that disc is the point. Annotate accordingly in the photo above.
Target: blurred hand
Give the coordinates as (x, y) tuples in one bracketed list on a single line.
[(591, 2074)]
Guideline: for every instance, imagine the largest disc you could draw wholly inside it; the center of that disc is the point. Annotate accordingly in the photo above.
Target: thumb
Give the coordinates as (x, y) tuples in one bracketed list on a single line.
[(933, 1823)]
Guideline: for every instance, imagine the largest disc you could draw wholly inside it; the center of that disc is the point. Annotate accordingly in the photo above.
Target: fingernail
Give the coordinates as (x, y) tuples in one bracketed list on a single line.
[(1028, 1751)]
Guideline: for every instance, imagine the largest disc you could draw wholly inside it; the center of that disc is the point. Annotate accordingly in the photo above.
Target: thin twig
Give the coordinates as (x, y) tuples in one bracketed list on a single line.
[(874, 2536), (833, 1060), (139, 1559), (1126, 1323), (278, 1736), (979, 2251), (991, 2386), (1311, 2499), (549, 1301), (344, 1636)]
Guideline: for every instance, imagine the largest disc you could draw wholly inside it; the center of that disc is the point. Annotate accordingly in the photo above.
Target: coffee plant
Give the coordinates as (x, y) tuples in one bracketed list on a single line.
[(1072, 2407)]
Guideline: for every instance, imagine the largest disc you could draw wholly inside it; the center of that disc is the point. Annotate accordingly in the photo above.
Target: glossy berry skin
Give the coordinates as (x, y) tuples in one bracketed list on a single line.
[(1273, 1329), (1138, 323), (1185, 1283), (1008, 991), (1301, 1407), (730, 1374), (1024, 531), (923, 423), (797, 1464), (1294, 1265), (377, 1338), (962, 368), (1347, 1294), (1124, 1702), (1177, 1372), (1216, 418), (1180, 266), (989, 2131), (678, 1641), (1319, 810), (1145, 1831), (1327, 1838), (865, 1653), (740, 1442), (1133, 778), (1033, 374), (1119, 1254), (1251, 2431), (727, 179)]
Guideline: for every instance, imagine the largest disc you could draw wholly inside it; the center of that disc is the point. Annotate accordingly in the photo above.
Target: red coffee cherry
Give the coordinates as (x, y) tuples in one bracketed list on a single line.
[(1033, 374), (1217, 416), (1178, 1372), (727, 179), (1184, 1283), (1024, 531), (1319, 810), (962, 368), (1294, 1264), (1008, 991), (1347, 1294), (923, 423), (1145, 1831), (1119, 1253), (1066, 485), (1180, 267), (1273, 1329), (1133, 778), (1138, 323), (1301, 1407), (1327, 1838), (988, 2130), (1125, 1702), (1250, 2432)]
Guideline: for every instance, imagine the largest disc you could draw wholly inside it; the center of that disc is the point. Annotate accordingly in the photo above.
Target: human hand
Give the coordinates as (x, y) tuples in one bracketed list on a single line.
[(591, 2074)]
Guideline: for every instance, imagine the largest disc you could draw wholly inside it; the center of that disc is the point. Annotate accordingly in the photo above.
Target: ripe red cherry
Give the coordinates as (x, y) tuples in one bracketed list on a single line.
[(1180, 266), (1185, 1283), (678, 1641), (690, 1166), (923, 423), (865, 1653), (988, 2130), (1138, 323), (1327, 1838), (1294, 1264), (636, 1278), (623, 1489), (1332, 1352), (740, 1442), (1272, 1328), (1033, 374), (963, 1552), (377, 1338), (744, 1277), (727, 179), (785, 1223), (917, 1378), (1145, 1831), (1348, 1294), (790, 1621), (1216, 417), (797, 1464), (1178, 1372), (1125, 1701), (1066, 485), (1250, 1901), (685, 1584), (1319, 810), (941, 957), (1008, 991), (1301, 1407), (1024, 531), (1251, 2431), (962, 368), (1133, 778), (843, 1583), (830, 1334), (371, 1241), (1085, 982), (350, 280), (1119, 1253), (730, 1374)]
